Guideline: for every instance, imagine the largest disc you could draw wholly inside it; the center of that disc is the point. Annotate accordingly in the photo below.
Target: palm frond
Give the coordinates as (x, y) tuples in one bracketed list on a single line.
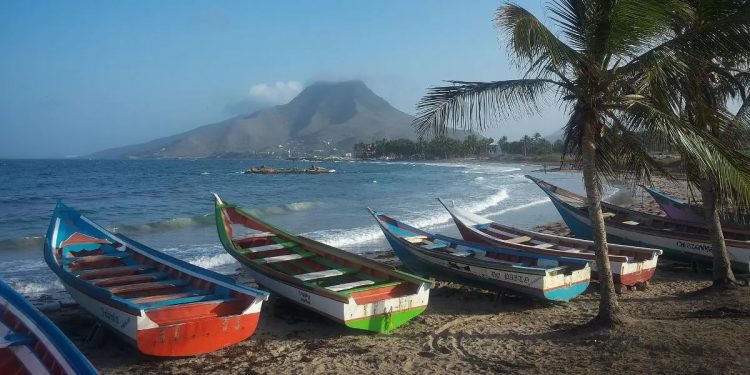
[(473, 105), (728, 167), (530, 42)]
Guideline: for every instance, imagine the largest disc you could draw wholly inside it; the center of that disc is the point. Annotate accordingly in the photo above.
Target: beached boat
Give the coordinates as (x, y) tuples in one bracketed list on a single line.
[(684, 240), (542, 276), (161, 305), (345, 287), (31, 344), (680, 210), (631, 266)]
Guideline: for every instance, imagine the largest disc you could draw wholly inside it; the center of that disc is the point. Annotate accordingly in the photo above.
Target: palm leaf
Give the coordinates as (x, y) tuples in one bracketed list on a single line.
[(473, 105)]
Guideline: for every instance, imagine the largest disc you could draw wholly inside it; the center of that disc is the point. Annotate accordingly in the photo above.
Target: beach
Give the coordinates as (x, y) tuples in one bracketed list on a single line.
[(674, 328)]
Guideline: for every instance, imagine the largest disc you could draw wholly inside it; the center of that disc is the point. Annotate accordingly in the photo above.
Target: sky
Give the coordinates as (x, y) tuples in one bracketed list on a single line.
[(81, 76)]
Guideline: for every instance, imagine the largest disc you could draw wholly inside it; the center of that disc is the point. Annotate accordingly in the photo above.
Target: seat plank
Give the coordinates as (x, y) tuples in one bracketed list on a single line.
[(142, 287), (260, 249), (415, 239), (166, 297), (435, 245), (187, 300), (283, 258), (128, 279), (111, 271), (351, 285), (324, 274), (519, 239), (544, 245)]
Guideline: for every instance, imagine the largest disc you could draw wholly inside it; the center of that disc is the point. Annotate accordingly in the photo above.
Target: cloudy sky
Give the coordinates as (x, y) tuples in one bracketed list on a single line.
[(81, 76)]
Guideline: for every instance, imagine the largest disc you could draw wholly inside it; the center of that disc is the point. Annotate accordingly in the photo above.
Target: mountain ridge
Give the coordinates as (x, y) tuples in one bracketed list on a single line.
[(324, 114)]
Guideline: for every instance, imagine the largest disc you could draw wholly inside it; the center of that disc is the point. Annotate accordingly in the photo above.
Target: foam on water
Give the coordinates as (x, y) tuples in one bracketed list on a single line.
[(428, 219)]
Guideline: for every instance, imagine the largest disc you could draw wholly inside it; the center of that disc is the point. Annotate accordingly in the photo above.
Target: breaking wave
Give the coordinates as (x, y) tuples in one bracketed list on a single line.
[(350, 237)]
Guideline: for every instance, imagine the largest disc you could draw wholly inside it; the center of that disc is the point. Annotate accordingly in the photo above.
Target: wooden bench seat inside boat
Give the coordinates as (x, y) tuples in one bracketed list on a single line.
[(435, 245), (153, 300), (259, 249), (350, 285), (325, 274), (95, 258), (519, 239), (544, 245), (461, 253), (631, 222), (157, 287), (284, 258), (128, 279), (111, 272), (415, 239)]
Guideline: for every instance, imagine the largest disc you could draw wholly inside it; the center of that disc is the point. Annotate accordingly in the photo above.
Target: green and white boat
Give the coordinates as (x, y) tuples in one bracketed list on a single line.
[(345, 287)]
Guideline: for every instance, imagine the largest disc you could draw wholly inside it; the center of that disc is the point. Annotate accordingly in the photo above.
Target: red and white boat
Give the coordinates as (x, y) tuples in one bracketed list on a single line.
[(631, 266), (160, 304)]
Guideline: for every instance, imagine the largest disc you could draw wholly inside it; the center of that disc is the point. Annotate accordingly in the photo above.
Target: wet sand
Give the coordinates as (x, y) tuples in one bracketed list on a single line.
[(675, 328)]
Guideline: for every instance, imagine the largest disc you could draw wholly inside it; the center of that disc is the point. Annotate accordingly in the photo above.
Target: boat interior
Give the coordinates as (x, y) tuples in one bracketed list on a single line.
[(442, 245), (306, 264), (583, 249), (136, 279)]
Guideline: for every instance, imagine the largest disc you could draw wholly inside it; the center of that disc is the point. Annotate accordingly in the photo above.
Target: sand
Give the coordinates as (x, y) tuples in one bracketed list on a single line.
[(674, 328)]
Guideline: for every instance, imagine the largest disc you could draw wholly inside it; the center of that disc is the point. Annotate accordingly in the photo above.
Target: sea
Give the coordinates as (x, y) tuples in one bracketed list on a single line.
[(167, 204)]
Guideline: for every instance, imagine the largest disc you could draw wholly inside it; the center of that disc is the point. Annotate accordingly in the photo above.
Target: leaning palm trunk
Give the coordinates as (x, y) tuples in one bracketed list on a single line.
[(722, 270), (610, 313)]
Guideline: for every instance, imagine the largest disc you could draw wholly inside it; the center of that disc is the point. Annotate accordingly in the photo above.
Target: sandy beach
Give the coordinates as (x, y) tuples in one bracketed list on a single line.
[(674, 329)]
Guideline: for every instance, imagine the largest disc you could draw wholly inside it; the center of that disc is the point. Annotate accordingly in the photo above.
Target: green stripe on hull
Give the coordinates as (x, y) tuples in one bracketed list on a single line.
[(386, 322)]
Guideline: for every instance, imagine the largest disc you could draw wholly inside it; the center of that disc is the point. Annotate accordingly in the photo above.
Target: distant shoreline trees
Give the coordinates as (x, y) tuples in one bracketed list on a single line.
[(447, 148)]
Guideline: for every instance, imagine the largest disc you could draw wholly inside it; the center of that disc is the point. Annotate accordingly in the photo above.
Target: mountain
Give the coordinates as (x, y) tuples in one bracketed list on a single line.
[(560, 134), (340, 113)]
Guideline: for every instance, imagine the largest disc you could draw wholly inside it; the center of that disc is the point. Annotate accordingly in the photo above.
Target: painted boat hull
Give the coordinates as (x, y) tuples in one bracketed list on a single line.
[(31, 343), (222, 314), (380, 309), (625, 270), (483, 273), (679, 210), (676, 245)]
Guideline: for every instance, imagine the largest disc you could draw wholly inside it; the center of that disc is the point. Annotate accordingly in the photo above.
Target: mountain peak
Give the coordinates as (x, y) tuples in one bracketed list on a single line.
[(331, 113)]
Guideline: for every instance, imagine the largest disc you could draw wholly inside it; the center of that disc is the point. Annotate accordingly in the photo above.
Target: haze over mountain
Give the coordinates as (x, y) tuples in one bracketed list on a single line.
[(342, 113)]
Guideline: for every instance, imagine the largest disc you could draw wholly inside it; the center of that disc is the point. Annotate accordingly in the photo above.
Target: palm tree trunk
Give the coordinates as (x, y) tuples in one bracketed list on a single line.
[(722, 268), (610, 313)]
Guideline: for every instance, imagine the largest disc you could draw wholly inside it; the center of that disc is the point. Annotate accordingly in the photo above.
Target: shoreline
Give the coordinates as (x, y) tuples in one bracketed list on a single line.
[(469, 330)]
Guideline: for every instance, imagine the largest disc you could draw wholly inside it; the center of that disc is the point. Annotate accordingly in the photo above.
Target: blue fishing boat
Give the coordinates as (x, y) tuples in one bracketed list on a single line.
[(144, 295), (31, 344), (445, 258), (679, 239)]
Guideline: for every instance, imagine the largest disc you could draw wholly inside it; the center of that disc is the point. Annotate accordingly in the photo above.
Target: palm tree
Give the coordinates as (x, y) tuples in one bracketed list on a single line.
[(609, 51), (703, 99)]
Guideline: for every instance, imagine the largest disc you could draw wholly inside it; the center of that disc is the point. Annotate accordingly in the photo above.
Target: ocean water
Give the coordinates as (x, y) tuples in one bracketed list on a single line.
[(167, 204)]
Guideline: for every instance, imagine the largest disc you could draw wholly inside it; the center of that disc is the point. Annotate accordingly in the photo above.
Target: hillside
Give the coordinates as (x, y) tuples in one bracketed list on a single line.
[(342, 113)]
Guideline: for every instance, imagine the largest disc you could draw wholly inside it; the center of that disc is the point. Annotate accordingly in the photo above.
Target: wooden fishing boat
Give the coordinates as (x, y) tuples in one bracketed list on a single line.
[(160, 304), (31, 344), (345, 287), (678, 209), (631, 266), (542, 276), (680, 239)]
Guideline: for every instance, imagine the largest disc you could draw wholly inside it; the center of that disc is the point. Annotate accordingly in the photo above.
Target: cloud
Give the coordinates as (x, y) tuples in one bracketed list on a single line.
[(263, 95)]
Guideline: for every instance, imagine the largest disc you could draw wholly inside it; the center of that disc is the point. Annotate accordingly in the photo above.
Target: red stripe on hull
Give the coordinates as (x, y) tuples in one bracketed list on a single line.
[(634, 278), (197, 336)]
